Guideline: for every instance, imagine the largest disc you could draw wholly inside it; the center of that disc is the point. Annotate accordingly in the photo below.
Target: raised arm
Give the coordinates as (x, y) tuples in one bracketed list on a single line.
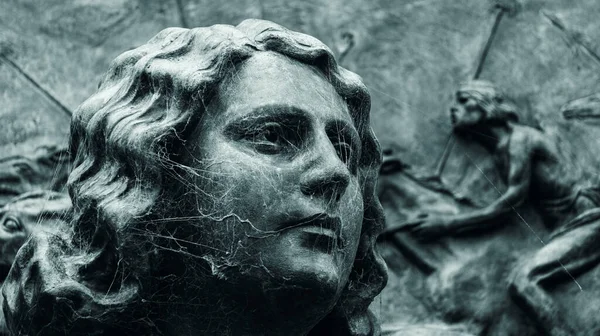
[(519, 179)]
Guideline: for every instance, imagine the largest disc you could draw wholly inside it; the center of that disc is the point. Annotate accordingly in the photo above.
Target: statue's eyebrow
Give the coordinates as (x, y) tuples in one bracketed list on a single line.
[(285, 114), (291, 116), (277, 111)]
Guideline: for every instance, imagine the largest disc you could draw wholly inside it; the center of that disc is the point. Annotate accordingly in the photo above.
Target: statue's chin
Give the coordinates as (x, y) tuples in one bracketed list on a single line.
[(290, 275), (315, 285), (301, 289), (298, 273)]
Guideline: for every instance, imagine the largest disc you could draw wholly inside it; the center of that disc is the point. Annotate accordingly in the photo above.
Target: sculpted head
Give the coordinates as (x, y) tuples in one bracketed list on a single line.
[(480, 103), (224, 174), (26, 214)]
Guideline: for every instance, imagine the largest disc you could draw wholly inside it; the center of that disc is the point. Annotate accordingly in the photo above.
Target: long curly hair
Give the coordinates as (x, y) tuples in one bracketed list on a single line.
[(126, 142)]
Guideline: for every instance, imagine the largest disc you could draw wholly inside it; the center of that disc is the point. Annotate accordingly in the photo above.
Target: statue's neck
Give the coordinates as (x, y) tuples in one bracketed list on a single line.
[(224, 314), (492, 137)]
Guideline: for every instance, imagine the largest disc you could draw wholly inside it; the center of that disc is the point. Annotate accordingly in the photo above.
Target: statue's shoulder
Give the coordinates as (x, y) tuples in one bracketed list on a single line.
[(528, 139), (525, 132)]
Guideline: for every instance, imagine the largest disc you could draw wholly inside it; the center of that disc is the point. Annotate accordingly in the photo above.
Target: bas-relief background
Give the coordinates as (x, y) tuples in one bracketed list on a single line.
[(412, 55)]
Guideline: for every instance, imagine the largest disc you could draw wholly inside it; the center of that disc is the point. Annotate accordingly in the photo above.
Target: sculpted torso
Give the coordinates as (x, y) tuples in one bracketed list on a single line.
[(534, 169), (531, 162), (528, 149)]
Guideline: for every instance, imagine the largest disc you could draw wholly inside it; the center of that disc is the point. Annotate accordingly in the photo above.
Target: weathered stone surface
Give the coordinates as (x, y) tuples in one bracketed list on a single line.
[(223, 183), (421, 330), (28, 214), (469, 275), (90, 23), (412, 55)]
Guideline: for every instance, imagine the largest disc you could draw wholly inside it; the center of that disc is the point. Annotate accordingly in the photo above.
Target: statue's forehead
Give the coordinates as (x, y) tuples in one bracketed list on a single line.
[(269, 78), (477, 88), (477, 93), (269, 70)]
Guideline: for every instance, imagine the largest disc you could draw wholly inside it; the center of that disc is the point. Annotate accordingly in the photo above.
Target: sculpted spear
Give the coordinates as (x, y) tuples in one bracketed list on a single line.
[(426, 261), (501, 8)]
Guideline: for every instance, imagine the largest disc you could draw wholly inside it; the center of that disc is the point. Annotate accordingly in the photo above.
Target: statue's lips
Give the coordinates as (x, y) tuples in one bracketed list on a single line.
[(319, 225)]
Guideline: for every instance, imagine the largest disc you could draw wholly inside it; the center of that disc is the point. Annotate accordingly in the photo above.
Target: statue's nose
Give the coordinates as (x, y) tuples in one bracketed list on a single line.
[(327, 179)]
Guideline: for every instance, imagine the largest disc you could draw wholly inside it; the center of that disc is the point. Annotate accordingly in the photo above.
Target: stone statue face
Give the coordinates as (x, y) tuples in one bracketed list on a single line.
[(219, 187), (28, 213), (465, 112), (14, 230), (276, 156)]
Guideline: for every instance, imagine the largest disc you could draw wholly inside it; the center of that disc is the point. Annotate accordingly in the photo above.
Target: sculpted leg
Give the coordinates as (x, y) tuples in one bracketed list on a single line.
[(565, 256)]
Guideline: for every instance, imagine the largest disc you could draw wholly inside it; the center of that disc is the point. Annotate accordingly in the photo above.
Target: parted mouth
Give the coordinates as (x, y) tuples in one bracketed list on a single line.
[(321, 225), (321, 220)]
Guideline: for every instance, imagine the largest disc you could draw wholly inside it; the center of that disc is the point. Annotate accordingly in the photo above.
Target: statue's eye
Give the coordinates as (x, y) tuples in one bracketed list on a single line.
[(344, 151), (271, 133), (462, 100), (271, 138), (347, 154), (12, 224)]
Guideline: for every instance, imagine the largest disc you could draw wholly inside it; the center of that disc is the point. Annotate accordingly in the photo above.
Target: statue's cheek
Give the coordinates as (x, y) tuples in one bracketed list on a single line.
[(248, 187), (352, 214)]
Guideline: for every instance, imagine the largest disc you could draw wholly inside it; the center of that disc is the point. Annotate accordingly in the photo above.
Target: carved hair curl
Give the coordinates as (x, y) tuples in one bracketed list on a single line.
[(125, 141)]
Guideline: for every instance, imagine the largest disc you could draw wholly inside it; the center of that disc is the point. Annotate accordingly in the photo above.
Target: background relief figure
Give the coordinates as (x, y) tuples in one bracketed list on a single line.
[(137, 211), (533, 168)]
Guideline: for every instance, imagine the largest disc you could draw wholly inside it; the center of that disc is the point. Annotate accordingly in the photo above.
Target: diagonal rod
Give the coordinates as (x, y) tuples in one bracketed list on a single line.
[(488, 44), (35, 84), (450, 143), (571, 36), (180, 11), (439, 169)]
